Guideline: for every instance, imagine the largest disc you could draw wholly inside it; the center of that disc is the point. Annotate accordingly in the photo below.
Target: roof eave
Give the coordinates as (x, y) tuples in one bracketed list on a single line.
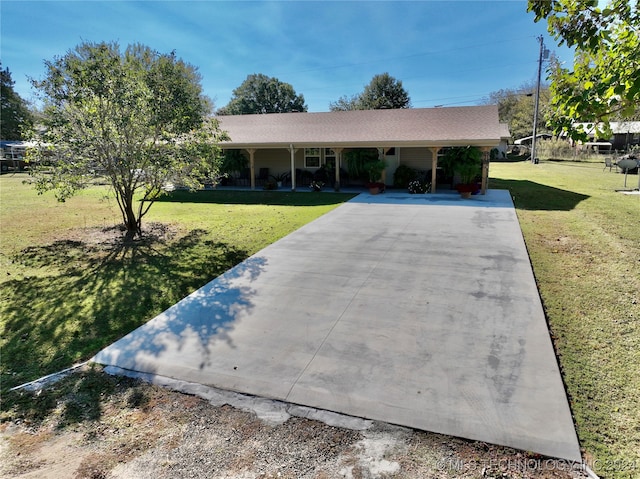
[(487, 142)]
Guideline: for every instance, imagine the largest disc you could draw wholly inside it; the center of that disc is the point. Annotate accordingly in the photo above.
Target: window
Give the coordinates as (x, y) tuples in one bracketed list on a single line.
[(330, 158), (312, 157)]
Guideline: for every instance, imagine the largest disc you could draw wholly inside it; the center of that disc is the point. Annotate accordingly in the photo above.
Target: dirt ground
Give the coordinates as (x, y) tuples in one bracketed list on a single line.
[(146, 431)]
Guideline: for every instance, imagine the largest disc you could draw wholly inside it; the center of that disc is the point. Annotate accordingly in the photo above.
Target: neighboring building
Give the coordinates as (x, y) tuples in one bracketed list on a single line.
[(626, 134), (13, 155), (505, 139), (528, 140), (296, 142)]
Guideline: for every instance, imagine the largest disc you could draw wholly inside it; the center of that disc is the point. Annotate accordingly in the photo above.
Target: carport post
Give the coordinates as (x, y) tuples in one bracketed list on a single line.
[(293, 167), (434, 167), (485, 170), (252, 167), (338, 152)]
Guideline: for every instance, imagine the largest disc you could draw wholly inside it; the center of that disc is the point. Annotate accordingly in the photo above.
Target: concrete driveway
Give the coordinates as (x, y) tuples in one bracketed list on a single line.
[(417, 310)]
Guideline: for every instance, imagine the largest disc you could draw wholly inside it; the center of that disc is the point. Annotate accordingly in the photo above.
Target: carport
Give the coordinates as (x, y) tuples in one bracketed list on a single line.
[(417, 310)]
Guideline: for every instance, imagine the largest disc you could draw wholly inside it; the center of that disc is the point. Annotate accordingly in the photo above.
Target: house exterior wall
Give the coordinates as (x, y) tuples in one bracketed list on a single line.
[(416, 158), (278, 160), (624, 141)]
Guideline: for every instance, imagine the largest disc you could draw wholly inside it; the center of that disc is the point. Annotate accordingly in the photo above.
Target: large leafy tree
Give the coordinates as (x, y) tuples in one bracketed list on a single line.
[(383, 92), (262, 94), (516, 107), (603, 83), (138, 116), (15, 116)]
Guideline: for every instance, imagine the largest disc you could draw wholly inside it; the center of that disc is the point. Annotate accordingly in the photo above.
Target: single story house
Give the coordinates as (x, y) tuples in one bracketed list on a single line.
[(293, 142)]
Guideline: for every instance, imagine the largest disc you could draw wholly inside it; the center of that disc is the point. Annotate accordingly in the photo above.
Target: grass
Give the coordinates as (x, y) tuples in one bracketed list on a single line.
[(583, 239), (66, 295), (70, 286)]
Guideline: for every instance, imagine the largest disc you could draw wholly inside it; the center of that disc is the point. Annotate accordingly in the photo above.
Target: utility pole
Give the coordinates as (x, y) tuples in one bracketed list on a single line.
[(535, 113)]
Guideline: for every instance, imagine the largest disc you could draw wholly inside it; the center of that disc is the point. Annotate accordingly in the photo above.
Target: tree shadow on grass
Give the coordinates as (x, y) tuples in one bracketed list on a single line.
[(90, 295), (281, 198), (528, 195)]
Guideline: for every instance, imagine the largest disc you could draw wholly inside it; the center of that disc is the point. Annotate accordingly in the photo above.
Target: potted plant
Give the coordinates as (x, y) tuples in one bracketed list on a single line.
[(466, 162), (233, 163), (280, 178), (374, 169), (270, 185)]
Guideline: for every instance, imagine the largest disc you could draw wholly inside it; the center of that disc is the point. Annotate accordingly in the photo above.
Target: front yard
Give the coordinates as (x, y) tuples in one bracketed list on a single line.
[(70, 287)]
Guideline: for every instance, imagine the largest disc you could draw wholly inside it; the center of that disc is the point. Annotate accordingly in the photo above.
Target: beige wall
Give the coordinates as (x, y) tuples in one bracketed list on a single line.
[(416, 158), (277, 160)]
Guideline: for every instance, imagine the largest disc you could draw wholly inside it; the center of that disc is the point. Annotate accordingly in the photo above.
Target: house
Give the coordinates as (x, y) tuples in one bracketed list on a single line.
[(626, 135), (12, 155), (295, 142)]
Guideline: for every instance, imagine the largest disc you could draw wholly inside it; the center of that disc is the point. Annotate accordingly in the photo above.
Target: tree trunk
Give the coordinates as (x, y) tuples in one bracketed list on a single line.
[(131, 222)]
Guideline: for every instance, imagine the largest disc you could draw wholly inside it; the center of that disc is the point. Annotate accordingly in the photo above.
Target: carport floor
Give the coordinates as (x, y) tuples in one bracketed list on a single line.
[(416, 310)]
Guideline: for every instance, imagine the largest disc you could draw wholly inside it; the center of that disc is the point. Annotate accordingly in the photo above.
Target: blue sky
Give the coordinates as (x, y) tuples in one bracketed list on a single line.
[(444, 52)]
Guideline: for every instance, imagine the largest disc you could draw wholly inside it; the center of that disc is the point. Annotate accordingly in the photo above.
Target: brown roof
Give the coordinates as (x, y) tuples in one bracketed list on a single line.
[(477, 125)]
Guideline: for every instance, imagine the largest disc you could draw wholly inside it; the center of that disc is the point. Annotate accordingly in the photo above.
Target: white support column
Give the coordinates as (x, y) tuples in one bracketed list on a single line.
[(293, 150), (381, 156), (252, 168), (338, 152), (485, 170), (434, 167)]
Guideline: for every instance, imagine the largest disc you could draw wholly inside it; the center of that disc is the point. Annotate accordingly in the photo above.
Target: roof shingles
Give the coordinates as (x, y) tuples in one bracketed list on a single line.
[(477, 125)]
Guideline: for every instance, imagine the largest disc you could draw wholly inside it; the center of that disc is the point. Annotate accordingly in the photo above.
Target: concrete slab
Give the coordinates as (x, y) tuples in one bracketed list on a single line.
[(417, 310)]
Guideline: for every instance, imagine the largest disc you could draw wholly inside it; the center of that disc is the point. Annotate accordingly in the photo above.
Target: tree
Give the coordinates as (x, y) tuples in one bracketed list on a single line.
[(516, 108), (604, 80), (345, 103), (15, 116), (262, 94), (138, 116), (383, 92)]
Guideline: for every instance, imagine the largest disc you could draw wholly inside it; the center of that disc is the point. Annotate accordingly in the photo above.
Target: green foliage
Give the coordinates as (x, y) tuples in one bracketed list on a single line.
[(403, 176), (69, 290), (555, 148), (15, 116), (138, 116), (357, 161), (466, 161), (383, 92), (516, 108), (417, 187), (346, 103), (604, 81), (262, 94), (584, 243), (374, 169), (233, 161)]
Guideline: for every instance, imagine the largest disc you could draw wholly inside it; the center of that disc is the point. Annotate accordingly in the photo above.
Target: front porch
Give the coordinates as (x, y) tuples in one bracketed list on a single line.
[(298, 168)]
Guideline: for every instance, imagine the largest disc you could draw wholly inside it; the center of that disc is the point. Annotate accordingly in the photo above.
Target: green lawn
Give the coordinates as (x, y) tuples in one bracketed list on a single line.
[(583, 238), (67, 291)]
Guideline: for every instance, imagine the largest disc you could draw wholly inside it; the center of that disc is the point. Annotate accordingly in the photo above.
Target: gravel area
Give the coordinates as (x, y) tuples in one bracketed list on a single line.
[(147, 431)]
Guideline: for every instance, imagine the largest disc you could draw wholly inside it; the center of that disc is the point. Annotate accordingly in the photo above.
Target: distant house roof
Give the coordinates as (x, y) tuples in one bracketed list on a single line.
[(477, 125), (529, 139), (617, 127)]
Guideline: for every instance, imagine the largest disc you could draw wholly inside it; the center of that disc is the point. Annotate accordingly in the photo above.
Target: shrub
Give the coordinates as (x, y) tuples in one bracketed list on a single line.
[(554, 149), (418, 187), (403, 176)]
